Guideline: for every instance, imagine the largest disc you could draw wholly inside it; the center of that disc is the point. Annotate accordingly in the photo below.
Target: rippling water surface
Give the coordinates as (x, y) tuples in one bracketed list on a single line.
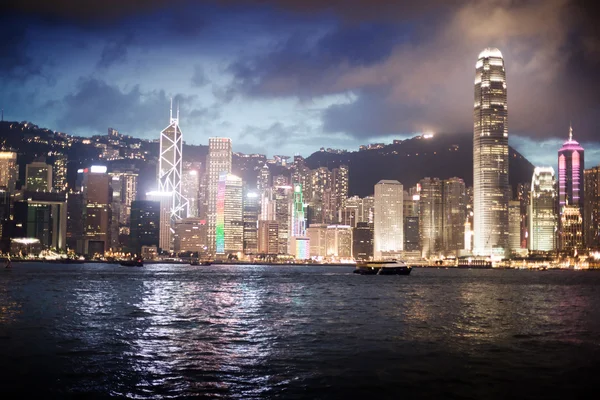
[(296, 332)]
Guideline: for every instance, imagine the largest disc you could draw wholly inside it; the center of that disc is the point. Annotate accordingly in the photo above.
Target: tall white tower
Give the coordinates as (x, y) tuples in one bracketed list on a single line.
[(491, 191), (169, 167)]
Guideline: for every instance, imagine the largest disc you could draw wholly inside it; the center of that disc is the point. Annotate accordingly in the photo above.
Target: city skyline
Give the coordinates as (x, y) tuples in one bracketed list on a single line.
[(277, 78)]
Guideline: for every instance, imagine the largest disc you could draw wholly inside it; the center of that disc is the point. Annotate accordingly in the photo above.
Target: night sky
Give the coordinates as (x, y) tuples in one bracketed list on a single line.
[(287, 77)]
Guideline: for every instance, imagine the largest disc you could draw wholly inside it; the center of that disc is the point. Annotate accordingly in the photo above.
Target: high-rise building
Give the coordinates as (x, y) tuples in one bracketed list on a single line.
[(165, 236), (268, 237), (454, 204), (59, 170), (41, 215), (218, 161), (339, 241), (570, 181), (317, 234), (591, 217), (97, 199), (250, 215), (145, 225), (389, 220), (339, 181), (169, 166), (490, 156), (523, 192), (543, 222), (514, 226), (283, 202), (430, 216), (38, 177), (298, 222), (362, 241), (572, 228), (264, 179), (190, 186), (75, 218), (190, 235), (8, 170), (229, 228), (124, 184), (412, 236)]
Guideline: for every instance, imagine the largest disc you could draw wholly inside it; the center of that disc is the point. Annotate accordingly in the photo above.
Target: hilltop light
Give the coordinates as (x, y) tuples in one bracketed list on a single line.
[(428, 135)]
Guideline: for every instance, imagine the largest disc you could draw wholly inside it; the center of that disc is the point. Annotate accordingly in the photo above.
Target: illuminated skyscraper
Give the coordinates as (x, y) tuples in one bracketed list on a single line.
[(38, 177), (570, 178), (430, 216), (59, 170), (8, 170), (190, 187), (165, 200), (389, 221), (572, 229), (454, 204), (229, 229), (543, 222), (218, 161), (169, 166), (514, 226), (591, 217), (250, 217), (339, 241), (145, 225), (490, 156), (97, 198)]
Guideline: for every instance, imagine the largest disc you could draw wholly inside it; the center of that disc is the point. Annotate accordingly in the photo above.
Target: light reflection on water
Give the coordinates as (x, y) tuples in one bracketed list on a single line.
[(259, 332)]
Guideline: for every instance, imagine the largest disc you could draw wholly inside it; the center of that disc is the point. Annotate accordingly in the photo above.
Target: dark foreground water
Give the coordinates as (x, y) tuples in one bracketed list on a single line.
[(297, 332)]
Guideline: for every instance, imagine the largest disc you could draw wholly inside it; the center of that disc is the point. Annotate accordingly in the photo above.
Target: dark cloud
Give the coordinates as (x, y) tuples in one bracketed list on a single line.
[(95, 105), (115, 52), (15, 61), (88, 10), (199, 78)]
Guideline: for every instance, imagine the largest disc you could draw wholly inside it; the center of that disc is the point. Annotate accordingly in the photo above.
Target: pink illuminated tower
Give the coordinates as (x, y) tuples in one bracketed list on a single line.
[(570, 173), (570, 184)]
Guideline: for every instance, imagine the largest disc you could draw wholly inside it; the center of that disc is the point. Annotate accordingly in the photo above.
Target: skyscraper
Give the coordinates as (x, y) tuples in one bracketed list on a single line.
[(430, 216), (97, 199), (38, 177), (490, 155), (145, 225), (229, 229), (169, 166), (570, 183), (542, 210), (454, 204), (250, 215), (218, 161), (389, 221), (8, 170), (190, 186), (165, 200), (591, 217)]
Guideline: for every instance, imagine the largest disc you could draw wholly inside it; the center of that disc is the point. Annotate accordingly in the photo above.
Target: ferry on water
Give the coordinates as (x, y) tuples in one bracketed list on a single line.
[(393, 267)]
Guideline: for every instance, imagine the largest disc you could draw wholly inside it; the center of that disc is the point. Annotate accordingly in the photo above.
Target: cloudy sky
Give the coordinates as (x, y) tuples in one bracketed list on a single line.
[(287, 77)]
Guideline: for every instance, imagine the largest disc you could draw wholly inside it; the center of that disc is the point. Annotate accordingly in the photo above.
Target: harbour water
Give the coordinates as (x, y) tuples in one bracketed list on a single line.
[(175, 331)]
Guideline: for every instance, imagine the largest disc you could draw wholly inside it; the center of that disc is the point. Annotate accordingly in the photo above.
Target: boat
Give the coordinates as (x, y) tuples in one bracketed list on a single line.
[(199, 262), (393, 267), (136, 262)]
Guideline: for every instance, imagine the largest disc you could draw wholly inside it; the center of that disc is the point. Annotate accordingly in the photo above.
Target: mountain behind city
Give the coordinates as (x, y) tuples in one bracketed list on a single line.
[(408, 161)]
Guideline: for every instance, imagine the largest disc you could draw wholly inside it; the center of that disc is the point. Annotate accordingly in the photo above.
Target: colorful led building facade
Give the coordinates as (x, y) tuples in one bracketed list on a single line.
[(491, 190), (218, 161)]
